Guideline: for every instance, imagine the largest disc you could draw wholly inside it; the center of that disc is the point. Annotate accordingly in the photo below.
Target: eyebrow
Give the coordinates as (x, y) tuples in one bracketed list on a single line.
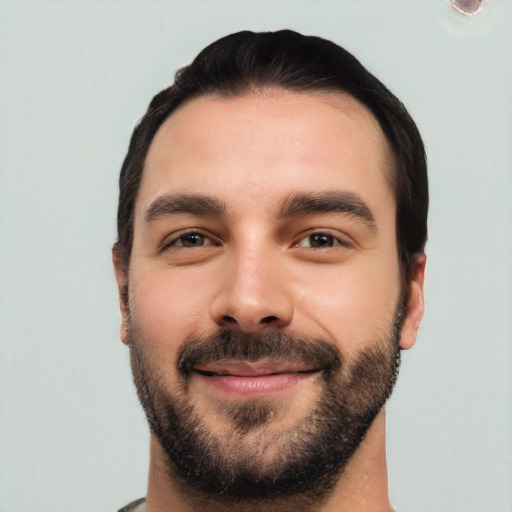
[(298, 205), (295, 205), (192, 204)]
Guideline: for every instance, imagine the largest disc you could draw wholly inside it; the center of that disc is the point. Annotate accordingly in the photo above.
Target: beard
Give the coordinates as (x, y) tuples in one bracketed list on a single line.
[(253, 464)]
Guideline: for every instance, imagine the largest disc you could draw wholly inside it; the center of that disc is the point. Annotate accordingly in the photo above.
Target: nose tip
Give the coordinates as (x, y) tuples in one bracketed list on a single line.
[(253, 299)]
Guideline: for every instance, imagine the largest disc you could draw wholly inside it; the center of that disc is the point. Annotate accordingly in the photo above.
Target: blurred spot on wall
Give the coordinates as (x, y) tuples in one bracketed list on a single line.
[(467, 7)]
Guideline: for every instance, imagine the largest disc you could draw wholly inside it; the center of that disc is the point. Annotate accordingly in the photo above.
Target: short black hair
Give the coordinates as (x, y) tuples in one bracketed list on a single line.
[(247, 61)]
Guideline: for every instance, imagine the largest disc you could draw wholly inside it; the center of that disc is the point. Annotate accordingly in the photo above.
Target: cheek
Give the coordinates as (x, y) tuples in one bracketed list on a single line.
[(354, 305), (167, 308)]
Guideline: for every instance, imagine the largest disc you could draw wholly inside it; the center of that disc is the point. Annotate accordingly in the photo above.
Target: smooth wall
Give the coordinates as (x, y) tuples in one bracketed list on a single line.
[(74, 78)]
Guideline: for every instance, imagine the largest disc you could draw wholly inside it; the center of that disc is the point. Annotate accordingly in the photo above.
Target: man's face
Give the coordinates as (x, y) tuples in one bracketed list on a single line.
[(264, 283)]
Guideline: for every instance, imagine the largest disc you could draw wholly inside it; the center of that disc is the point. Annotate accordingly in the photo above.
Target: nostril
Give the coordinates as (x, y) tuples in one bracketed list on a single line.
[(227, 320), (269, 319)]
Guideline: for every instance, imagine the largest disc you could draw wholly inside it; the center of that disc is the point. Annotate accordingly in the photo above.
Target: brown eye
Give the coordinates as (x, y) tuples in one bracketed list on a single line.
[(191, 246), (321, 240), (191, 240), (318, 241)]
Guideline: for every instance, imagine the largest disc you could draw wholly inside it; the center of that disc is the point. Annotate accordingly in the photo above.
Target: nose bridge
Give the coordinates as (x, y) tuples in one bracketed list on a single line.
[(253, 292)]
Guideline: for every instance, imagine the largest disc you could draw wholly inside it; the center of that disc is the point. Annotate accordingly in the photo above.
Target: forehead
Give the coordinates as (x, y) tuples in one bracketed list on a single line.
[(267, 142)]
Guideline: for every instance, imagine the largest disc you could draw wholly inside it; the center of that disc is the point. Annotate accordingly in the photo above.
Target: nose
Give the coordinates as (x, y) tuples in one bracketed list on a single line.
[(254, 294)]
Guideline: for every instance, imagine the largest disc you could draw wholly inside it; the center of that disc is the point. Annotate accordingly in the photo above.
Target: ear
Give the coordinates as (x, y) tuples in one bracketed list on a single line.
[(122, 286), (415, 304)]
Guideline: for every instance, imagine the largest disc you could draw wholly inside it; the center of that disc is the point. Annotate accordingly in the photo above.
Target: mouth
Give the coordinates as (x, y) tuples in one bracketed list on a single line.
[(252, 379)]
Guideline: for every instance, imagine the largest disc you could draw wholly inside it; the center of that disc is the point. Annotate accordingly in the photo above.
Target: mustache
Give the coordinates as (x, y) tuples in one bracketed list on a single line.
[(234, 345)]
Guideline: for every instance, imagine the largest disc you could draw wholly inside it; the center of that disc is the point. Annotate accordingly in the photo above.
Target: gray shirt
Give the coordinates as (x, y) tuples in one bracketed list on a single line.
[(135, 506)]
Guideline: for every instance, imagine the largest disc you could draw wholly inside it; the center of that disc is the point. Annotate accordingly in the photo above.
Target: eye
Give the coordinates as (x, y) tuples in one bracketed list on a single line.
[(320, 240), (190, 240)]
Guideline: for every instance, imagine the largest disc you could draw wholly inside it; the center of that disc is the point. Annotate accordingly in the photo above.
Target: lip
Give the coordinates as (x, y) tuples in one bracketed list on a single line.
[(244, 378)]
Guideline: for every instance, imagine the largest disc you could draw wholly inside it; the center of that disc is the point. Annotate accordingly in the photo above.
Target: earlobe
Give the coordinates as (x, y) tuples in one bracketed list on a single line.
[(415, 304), (122, 286), (123, 330)]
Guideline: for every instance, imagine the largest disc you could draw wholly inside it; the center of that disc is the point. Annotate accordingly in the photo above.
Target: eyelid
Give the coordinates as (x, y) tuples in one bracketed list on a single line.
[(171, 239), (342, 239)]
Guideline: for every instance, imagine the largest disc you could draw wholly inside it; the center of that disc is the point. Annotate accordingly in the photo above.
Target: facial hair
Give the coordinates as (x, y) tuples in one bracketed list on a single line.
[(256, 464)]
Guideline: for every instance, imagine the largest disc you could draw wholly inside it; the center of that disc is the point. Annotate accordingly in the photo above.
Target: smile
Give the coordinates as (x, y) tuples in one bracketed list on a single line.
[(252, 379)]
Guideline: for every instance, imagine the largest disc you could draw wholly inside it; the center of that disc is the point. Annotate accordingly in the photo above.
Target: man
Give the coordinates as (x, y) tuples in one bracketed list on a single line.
[(270, 263)]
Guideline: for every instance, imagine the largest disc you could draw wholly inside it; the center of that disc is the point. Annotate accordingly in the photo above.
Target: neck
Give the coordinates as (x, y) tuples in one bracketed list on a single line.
[(363, 485)]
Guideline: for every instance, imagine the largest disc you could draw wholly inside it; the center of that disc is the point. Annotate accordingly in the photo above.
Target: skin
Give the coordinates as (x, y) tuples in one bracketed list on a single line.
[(256, 269)]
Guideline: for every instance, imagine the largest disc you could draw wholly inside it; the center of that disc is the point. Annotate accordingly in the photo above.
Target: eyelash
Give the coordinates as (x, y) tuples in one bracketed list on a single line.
[(191, 231), (335, 240)]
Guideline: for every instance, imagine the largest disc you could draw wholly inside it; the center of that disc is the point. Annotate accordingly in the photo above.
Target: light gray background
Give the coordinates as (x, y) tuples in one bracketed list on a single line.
[(74, 78)]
